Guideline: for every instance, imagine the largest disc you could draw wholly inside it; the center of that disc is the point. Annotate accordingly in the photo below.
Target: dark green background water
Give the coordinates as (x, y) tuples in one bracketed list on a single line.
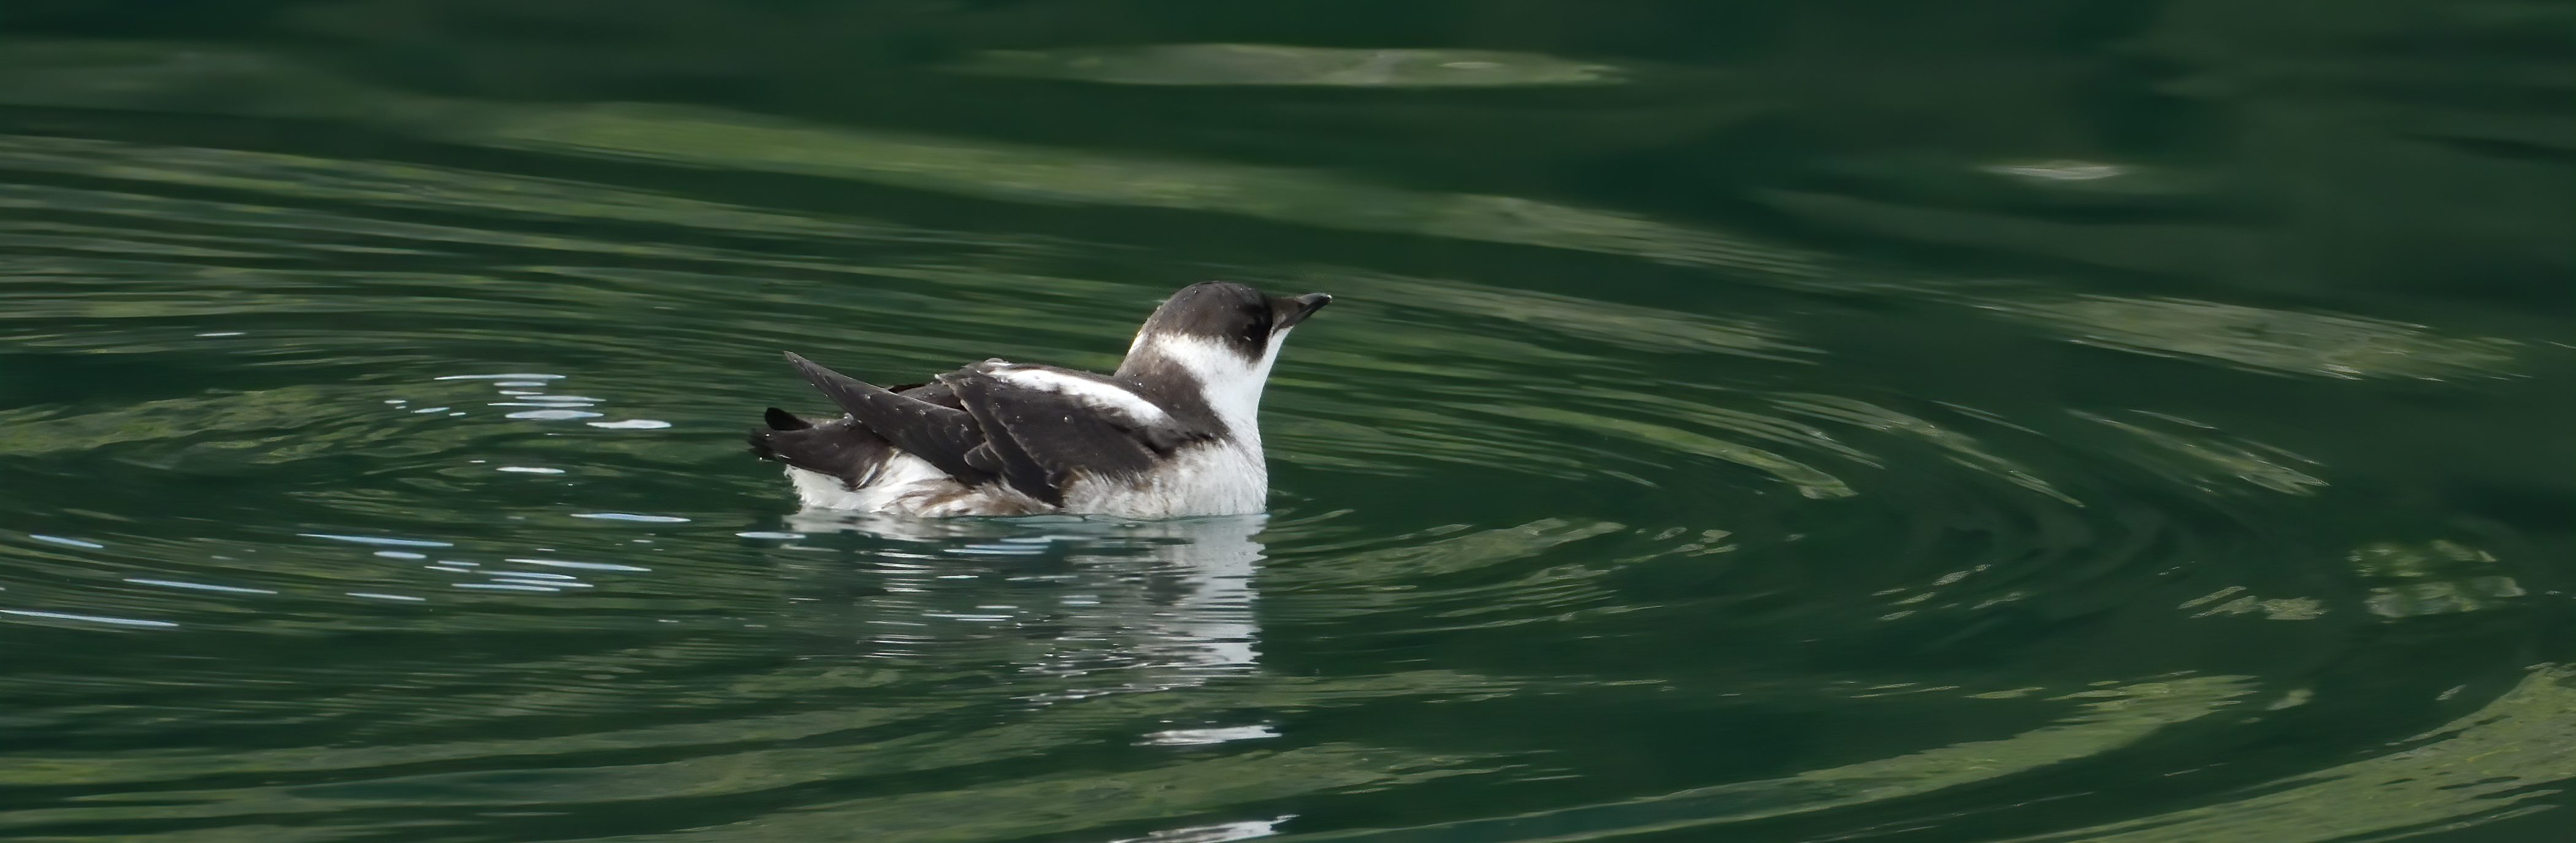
[(2026, 420)]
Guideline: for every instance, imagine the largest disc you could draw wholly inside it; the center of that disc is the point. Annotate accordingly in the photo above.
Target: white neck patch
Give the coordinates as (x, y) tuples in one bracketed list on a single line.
[(1232, 384)]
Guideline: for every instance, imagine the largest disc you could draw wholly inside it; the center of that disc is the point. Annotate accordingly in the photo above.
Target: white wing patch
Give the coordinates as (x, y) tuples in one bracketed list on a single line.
[(1095, 393)]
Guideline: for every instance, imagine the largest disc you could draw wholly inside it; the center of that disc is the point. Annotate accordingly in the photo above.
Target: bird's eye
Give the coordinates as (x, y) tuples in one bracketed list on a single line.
[(1256, 326)]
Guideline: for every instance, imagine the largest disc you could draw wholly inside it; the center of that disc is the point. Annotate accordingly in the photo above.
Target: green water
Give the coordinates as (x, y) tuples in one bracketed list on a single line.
[(2139, 422)]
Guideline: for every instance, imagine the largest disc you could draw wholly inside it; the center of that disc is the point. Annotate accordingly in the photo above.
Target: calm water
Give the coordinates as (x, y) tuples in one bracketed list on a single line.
[(2140, 422)]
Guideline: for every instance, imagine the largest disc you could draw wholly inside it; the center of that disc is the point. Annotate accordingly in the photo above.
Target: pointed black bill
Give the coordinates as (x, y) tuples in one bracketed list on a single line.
[(1295, 309)]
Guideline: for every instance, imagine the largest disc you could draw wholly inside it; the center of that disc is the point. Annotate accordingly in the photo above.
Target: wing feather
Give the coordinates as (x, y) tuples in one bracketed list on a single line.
[(940, 435), (1033, 428), (1045, 438)]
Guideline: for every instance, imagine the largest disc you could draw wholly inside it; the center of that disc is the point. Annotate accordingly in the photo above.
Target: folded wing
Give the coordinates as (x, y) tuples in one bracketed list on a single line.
[(1032, 428), (838, 447), (939, 434)]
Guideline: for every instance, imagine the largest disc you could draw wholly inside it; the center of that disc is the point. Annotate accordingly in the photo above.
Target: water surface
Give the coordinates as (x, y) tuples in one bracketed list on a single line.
[(2044, 422)]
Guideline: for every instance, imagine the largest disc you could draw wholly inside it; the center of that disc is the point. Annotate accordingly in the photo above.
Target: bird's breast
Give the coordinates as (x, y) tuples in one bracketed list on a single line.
[(1225, 477)]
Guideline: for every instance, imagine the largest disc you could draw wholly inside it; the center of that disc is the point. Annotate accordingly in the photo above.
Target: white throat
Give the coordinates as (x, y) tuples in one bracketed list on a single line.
[(1231, 384)]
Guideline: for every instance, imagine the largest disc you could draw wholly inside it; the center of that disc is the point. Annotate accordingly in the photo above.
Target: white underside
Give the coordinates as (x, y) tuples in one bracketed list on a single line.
[(1216, 479)]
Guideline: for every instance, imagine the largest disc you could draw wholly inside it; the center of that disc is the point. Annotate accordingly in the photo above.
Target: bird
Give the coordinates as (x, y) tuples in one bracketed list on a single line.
[(1173, 433)]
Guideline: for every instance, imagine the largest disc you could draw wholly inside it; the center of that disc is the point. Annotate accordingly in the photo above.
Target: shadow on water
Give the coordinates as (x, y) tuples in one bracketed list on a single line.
[(2108, 422)]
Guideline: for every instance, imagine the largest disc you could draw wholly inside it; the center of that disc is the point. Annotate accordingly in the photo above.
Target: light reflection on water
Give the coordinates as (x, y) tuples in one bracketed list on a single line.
[(1139, 606)]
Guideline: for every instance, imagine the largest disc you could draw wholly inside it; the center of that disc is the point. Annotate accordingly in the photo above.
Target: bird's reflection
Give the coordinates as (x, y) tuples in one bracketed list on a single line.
[(1077, 607)]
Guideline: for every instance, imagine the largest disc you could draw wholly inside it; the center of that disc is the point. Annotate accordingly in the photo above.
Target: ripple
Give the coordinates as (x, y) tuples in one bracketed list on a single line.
[(1643, 518), (595, 566), (66, 616), (1216, 833), (1213, 735), (1287, 64), (377, 540), (200, 586), (631, 424), (2273, 340), (2525, 731)]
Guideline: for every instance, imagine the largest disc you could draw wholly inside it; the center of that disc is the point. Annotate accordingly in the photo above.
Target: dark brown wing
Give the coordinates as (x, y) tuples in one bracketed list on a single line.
[(979, 425), (841, 447), (1041, 439)]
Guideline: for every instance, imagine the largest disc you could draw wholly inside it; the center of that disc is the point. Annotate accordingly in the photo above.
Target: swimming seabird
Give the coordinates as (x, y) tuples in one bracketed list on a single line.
[(1172, 433)]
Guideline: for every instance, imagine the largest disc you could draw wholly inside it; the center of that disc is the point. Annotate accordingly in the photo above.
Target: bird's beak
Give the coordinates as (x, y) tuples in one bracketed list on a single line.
[(1294, 310)]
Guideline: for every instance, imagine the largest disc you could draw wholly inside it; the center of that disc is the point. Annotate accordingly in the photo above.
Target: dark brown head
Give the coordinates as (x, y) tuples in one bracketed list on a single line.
[(1234, 316), (1221, 335)]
